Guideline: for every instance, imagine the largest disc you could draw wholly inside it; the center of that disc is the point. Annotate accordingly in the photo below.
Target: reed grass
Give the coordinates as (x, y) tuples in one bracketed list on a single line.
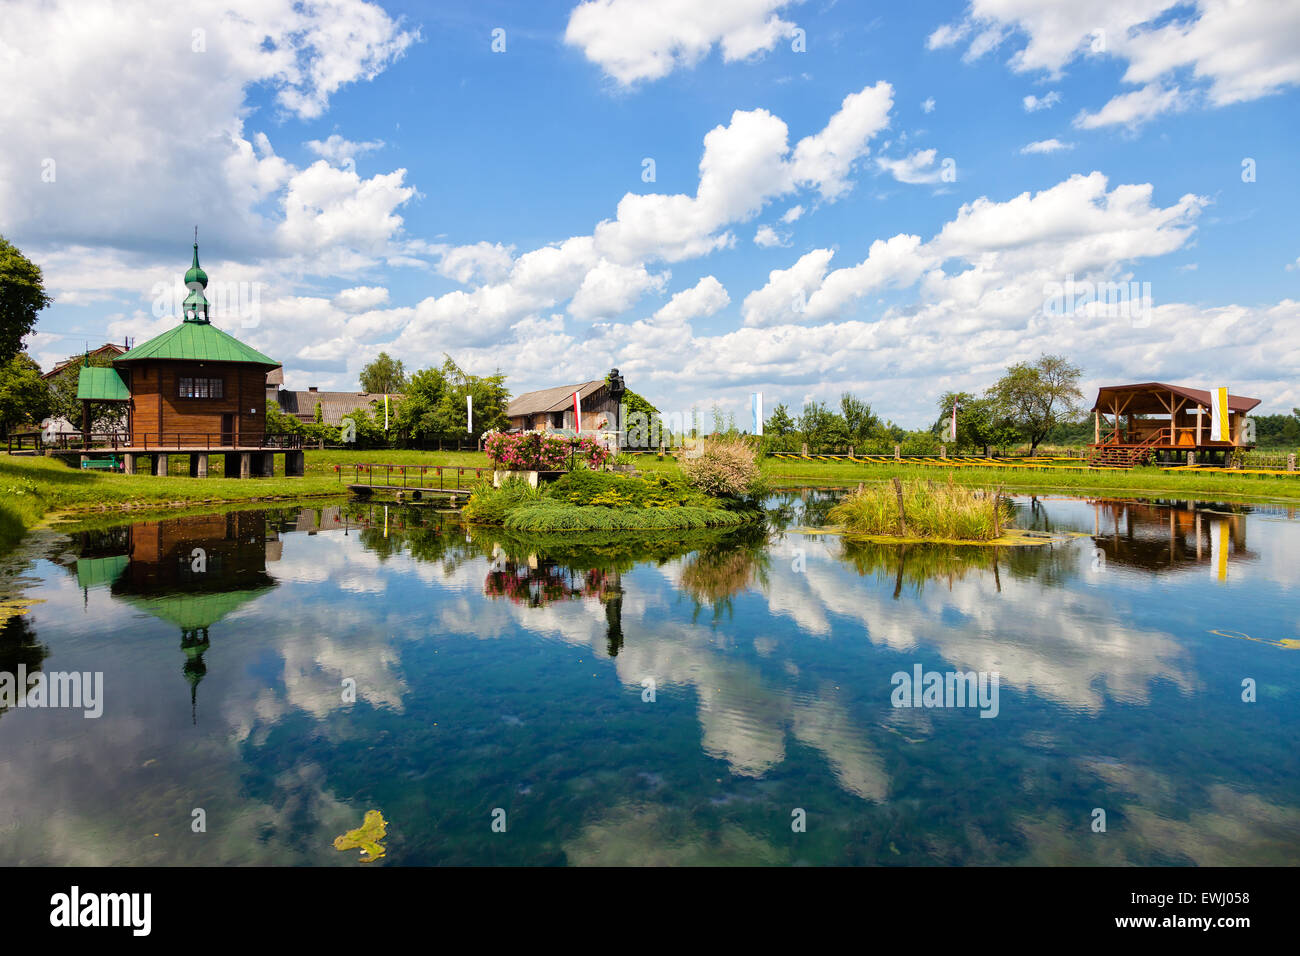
[(941, 510)]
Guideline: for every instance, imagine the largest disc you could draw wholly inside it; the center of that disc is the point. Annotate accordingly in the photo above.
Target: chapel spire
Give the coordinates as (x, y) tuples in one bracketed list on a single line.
[(195, 306)]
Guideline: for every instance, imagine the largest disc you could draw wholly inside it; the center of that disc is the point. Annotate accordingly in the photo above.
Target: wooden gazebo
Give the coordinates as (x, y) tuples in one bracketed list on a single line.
[(1132, 421)]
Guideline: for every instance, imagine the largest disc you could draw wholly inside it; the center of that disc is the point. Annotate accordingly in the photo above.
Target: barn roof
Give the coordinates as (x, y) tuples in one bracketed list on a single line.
[(109, 349), (555, 399), (333, 405), (1146, 398)]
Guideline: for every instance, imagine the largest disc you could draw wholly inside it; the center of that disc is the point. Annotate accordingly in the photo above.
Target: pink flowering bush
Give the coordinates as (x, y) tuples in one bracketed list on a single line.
[(537, 451), (725, 468)]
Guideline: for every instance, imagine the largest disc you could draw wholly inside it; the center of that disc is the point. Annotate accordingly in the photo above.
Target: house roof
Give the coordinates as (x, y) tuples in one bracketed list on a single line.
[(110, 348), (197, 342), (101, 385), (275, 376), (334, 405), (551, 399), (1146, 398)]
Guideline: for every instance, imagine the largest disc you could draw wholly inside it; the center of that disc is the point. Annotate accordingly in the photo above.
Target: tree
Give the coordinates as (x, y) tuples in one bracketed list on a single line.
[(278, 423), (860, 422), (636, 430), (779, 423), (433, 404), (981, 423), (634, 403), (383, 375), (104, 416), (1278, 431), (24, 395), (1036, 397), (490, 398), (22, 295), (821, 428)]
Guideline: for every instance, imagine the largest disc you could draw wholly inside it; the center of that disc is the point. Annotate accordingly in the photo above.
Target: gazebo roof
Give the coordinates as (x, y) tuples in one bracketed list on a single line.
[(1148, 398)]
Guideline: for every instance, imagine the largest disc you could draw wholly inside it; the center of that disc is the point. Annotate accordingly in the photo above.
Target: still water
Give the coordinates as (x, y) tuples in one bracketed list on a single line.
[(268, 677)]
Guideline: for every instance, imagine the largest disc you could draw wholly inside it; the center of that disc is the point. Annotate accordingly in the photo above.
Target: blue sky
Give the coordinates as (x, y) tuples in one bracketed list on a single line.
[(390, 182)]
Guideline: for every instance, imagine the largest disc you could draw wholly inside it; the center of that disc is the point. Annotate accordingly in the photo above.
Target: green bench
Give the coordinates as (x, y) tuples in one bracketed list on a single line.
[(100, 464)]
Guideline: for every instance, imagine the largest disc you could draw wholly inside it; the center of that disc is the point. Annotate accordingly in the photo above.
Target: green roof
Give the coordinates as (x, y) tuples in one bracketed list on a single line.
[(197, 342), (101, 385), (93, 572), (189, 611), (196, 274)]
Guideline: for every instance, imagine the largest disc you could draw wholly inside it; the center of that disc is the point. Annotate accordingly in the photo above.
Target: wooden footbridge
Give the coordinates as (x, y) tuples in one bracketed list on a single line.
[(411, 481)]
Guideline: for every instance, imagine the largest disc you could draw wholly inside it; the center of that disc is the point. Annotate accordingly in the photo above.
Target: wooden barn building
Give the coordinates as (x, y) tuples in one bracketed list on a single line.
[(193, 390), (1132, 422), (547, 409)]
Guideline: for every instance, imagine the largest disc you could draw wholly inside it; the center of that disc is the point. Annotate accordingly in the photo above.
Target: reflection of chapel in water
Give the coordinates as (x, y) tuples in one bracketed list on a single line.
[(1170, 536), (191, 572)]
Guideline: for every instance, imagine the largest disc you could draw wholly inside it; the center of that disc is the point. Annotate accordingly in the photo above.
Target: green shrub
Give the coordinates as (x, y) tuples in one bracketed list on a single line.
[(491, 505), (726, 468), (550, 515), (606, 489)]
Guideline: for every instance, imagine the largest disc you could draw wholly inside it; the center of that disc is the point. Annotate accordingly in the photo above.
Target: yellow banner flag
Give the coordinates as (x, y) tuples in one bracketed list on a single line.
[(1219, 428), (1221, 553)]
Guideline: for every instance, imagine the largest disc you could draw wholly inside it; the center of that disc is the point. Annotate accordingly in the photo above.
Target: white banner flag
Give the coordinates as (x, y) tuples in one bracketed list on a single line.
[(1219, 428)]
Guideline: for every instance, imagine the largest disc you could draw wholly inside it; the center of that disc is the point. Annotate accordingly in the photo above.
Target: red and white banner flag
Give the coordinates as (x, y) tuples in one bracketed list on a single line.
[(577, 413)]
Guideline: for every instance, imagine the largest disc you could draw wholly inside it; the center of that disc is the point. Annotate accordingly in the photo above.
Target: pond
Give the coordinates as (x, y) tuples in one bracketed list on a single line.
[(264, 679)]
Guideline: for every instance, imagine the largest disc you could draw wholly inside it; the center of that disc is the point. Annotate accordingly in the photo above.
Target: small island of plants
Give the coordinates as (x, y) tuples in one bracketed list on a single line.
[(720, 487), (923, 510)]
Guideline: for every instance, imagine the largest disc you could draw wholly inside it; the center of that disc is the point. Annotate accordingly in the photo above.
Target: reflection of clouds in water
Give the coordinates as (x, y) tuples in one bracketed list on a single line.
[(93, 793), (1234, 828), (826, 726), (655, 836), (1065, 645), (1239, 829), (323, 646), (744, 721), (97, 824), (1059, 647), (329, 557), (1277, 544)]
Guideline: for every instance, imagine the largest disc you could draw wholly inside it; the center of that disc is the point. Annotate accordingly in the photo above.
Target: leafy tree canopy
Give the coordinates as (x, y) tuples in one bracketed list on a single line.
[(22, 295), (104, 416), (383, 374), (1035, 397), (25, 398)]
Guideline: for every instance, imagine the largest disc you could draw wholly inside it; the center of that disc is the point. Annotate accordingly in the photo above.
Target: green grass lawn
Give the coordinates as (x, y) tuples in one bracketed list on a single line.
[(31, 487), (1137, 481)]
